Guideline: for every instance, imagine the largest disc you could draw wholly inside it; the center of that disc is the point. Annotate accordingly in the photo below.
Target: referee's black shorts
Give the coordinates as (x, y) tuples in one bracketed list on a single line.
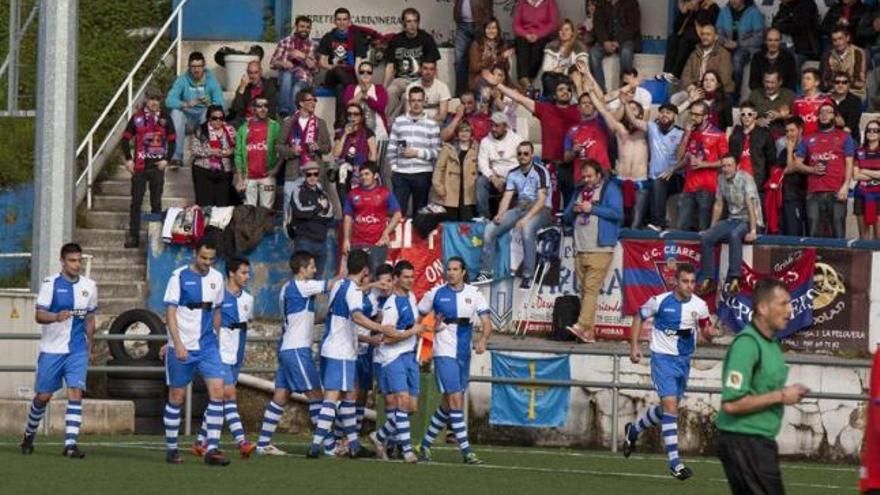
[(751, 464)]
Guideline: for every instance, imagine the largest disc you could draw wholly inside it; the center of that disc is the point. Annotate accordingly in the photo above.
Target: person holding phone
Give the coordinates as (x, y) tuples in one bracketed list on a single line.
[(188, 101)]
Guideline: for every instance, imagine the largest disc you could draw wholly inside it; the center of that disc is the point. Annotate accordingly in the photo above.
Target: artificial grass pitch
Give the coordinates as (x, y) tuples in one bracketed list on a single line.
[(136, 464)]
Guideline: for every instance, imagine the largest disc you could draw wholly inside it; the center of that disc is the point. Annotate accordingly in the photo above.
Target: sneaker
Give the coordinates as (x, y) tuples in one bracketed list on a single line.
[(480, 220), (655, 228), (216, 458), (410, 458), (733, 286), (270, 450), (526, 283), (381, 453), (681, 472), (314, 452), (473, 460), (424, 453), (483, 278), (628, 445), (199, 449), (27, 444), (131, 242), (73, 452), (245, 449), (361, 453), (173, 457)]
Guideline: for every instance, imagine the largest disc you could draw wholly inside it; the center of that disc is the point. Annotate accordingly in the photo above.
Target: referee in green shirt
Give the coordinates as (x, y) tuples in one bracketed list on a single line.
[(754, 395)]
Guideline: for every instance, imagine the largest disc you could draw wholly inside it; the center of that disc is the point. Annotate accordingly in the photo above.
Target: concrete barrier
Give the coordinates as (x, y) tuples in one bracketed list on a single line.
[(100, 417)]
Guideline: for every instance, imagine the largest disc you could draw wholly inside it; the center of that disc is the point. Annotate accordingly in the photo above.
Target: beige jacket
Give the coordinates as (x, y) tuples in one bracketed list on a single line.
[(448, 175)]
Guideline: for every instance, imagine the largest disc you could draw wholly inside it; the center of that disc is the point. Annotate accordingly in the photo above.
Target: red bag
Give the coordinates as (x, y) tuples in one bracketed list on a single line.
[(189, 226)]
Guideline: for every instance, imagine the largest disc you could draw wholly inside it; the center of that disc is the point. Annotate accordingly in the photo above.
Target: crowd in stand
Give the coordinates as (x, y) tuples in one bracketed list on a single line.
[(762, 136)]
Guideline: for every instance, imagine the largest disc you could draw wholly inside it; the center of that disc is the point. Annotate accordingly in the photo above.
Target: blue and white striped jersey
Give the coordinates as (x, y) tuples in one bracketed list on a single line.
[(297, 300), (453, 307), (80, 297), (235, 310), (195, 297), (399, 312), (372, 305), (340, 337), (675, 323)]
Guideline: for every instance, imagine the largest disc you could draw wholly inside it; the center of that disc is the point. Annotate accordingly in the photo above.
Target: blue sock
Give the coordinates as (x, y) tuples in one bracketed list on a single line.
[(270, 422), (670, 439), (402, 436), (214, 419), (349, 424), (650, 418), (314, 411), (438, 422), (72, 421), (172, 425), (389, 429), (459, 427), (230, 408), (325, 423), (202, 434), (34, 416), (359, 416)]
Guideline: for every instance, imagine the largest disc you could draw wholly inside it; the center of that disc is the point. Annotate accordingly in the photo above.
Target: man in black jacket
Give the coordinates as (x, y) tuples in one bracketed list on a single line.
[(252, 86), (849, 106), (753, 146), (773, 57), (310, 216), (798, 20)]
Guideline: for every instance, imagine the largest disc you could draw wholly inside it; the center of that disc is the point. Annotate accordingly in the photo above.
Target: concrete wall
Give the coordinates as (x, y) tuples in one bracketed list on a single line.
[(100, 417), (17, 316)]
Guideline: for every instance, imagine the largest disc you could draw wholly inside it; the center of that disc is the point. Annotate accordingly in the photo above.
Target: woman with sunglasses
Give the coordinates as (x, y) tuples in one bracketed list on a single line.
[(212, 147), (867, 173), (455, 175), (355, 145), (372, 97)]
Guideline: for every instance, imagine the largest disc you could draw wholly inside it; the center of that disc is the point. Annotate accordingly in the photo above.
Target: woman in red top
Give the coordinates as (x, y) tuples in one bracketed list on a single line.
[(867, 172), (534, 23)]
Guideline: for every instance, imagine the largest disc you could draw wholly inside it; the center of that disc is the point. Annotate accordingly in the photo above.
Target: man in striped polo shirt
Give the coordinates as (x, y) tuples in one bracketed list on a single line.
[(412, 150)]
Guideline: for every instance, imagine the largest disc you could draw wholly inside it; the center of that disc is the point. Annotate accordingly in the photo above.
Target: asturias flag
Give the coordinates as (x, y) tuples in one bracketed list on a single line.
[(465, 239), (529, 405)]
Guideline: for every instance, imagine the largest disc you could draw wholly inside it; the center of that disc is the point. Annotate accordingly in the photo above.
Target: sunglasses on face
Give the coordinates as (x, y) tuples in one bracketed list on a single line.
[(365, 72), (196, 66), (312, 174), (216, 117), (748, 114), (873, 130)]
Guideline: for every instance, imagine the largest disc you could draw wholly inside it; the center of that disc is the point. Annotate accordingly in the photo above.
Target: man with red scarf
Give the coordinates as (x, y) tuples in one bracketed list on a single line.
[(305, 138), (153, 132)]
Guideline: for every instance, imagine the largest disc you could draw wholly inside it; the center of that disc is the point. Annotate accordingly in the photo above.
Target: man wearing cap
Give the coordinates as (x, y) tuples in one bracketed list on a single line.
[(153, 132), (310, 215), (497, 158), (255, 163)]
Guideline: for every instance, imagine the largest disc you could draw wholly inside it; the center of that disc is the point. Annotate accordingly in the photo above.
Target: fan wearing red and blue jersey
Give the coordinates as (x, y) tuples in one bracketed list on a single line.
[(65, 311), (678, 317), (456, 305)]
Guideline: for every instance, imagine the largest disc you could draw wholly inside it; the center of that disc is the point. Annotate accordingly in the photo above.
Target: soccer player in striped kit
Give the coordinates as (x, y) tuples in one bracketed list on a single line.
[(237, 311), (678, 315), (194, 297), (455, 306), (65, 311)]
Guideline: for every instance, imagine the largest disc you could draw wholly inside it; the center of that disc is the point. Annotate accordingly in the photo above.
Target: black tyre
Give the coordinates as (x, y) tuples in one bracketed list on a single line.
[(136, 388), (149, 426), (138, 322), (149, 408), (136, 375)]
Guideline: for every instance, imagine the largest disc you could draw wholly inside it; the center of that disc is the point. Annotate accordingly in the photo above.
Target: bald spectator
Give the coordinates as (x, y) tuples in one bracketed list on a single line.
[(847, 58), (252, 86), (773, 57)]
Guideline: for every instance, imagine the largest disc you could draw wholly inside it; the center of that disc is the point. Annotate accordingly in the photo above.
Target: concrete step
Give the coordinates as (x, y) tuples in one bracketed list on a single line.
[(118, 255), (103, 237), (182, 175), (105, 202), (118, 272), (117, 305), (121, 290), (123, 188), (109, 220)]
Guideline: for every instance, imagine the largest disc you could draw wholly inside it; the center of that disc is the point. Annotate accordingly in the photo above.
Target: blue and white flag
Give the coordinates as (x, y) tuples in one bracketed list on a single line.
[(465, 239), (529, 405)]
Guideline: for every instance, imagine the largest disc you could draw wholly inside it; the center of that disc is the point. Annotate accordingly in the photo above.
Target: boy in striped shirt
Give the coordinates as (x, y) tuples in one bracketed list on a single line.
[(413, 147)]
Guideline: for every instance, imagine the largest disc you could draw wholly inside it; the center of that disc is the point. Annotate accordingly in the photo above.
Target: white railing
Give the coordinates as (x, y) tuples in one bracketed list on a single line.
[(87, 149)]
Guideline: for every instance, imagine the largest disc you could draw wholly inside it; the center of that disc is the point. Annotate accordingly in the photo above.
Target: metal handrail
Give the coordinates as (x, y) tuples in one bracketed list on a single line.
[(19, 36), (127, 86)]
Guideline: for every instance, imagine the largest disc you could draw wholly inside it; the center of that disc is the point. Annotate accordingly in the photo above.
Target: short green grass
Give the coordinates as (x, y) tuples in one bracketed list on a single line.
[(135, 464)]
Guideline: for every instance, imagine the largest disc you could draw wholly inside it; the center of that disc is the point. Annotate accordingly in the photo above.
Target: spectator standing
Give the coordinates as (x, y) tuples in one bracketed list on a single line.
[(373, 98), (188, 101), (534, 22), (405, 53), (355, 145), (213, 147), (456, 174), (365, 224), (437, 94), (741, 30), (868, 35), (794, 182), (340, 51), (753, 147), (255, 158), (487, 52), (827, 157), (867, 173), (849, 106), (807, 104), (296, 60), (468, 111), (525, 206), (304, 139), (847, 58), (709, 55), (154, 137), (588, 139), (684, 36), (412, 151), (772, 101), (470, 17), (310, 215), (497, 158), (565, 58), (664, 139), (252, 86), (595, 211), (773, 57), (738, 195), (798, 21), (846, 14), (617, 24), (701, 150), (631, 84)]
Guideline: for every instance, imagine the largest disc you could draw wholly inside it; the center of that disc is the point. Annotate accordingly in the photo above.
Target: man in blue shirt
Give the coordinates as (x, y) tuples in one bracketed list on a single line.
[(525, 206), (663, 140)]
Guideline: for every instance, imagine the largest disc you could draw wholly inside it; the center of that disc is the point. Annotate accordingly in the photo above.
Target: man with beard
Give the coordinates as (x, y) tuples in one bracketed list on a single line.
[(296, 63), (664, 138), (406, 51)]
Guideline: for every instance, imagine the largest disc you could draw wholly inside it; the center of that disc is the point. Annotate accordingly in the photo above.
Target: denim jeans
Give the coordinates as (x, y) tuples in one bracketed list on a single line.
[(485, 190), (732, 231), (740, 57), (696, 205), (660, 192), (417, 186), (184, 118), (290, 86), (598, 54), (824, 211), (318, 249), (465, 33), (530, 238), (639, 211), (793, 218)]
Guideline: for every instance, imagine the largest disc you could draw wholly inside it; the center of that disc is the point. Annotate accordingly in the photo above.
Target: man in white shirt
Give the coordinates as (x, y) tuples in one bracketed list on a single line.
[(496, 159), (437, 93)]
